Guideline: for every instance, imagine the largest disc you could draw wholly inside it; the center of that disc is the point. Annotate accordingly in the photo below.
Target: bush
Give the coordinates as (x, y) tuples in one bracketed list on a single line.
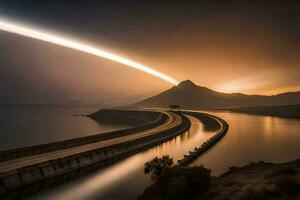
[(157, 166), (185, 183), (230, 170)]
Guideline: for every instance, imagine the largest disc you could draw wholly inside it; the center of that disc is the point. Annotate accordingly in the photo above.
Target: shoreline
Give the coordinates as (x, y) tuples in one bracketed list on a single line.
[(257, 180)]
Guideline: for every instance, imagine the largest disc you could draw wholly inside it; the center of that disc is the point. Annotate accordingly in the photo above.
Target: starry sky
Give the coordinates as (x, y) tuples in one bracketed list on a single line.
[(251, 47)]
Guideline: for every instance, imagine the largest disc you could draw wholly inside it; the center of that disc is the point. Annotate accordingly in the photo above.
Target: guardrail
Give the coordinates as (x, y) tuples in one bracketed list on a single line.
[(187, 159)]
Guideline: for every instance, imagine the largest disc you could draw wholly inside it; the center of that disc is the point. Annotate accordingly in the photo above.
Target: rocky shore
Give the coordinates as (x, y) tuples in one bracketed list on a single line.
[(255, 181)]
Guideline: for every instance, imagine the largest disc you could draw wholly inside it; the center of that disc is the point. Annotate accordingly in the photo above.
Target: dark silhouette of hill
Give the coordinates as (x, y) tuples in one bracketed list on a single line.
[(289, 111), (191, 96)]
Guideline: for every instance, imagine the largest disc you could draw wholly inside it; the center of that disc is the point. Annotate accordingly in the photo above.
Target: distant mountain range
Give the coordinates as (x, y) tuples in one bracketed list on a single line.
[(190, 96)]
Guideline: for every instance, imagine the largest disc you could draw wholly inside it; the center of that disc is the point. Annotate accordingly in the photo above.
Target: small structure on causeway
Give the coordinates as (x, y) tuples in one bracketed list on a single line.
[(175, 108)]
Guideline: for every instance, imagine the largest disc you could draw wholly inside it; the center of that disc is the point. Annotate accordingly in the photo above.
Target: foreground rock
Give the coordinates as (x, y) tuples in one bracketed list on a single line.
[(256, 181)]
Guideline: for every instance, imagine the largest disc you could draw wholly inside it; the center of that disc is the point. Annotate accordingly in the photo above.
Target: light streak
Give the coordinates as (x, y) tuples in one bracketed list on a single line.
[(62, 41)]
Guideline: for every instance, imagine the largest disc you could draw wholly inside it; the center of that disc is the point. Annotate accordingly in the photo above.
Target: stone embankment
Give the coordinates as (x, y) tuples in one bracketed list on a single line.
[(212, 121), (21, 182)]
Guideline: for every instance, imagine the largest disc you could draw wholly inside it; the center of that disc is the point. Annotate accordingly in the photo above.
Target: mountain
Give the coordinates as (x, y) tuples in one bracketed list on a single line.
[(191, 96)]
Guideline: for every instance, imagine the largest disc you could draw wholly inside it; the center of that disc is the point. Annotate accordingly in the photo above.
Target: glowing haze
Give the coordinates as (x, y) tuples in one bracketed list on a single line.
[(39, 35), (251, 47)]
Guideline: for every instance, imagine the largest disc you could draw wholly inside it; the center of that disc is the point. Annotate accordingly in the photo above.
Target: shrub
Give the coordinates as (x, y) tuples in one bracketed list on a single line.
[(231, 170), (185, 183), (157, 166)]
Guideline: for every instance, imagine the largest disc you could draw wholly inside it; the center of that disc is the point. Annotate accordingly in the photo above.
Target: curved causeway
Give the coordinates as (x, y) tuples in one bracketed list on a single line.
[(198, 151), (20, 177), (25, 171)]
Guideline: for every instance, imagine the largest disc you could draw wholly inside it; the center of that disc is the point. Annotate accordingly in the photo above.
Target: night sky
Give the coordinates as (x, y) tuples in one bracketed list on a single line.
[(251, 47)]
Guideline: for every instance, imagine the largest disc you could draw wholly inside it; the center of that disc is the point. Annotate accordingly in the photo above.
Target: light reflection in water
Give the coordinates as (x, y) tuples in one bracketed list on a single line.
[(125, 179), (253, 138)]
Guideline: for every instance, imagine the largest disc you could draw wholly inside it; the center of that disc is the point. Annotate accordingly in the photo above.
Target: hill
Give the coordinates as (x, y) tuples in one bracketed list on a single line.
[(288, 111), (191, 96)]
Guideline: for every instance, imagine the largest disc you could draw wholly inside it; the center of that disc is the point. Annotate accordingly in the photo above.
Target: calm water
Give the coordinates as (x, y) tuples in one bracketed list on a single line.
[(253, 138), (250, 138), (30, 125), (126, 180)]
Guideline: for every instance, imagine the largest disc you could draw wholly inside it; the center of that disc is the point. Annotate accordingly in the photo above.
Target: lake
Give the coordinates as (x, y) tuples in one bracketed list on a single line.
[(31, 125), (253, 138), (126, 179), (249, 138)]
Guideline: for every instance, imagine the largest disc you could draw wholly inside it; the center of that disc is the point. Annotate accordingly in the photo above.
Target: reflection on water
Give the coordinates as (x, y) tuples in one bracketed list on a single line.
[(125, 179), (253, 138), (250, 138), (30, 125)]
